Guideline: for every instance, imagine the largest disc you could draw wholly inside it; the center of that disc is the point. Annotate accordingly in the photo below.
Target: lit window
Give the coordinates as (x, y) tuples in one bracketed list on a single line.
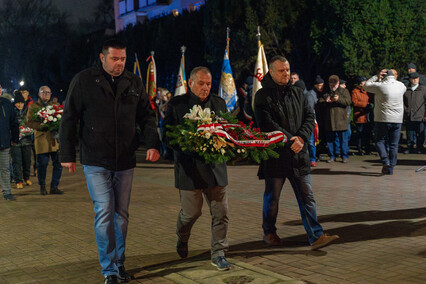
[(175, 12)]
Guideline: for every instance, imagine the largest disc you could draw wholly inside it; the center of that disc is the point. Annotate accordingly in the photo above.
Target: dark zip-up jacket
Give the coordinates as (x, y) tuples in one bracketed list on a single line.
[(9, 127), (286, 109), (107, 120), (415, 104), (192, 172)]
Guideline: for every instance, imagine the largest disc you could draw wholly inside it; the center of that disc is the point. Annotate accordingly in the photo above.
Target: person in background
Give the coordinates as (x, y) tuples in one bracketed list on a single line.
[(388, 115), (335, 103), (312, 96), (294, 77), (9, 136), (21, 152), (411, 68), (415, 114), (46, 145)]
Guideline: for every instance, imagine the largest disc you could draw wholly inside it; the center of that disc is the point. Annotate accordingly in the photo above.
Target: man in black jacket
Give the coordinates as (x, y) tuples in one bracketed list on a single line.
[(107, 102), (279, 106), (193, 177)]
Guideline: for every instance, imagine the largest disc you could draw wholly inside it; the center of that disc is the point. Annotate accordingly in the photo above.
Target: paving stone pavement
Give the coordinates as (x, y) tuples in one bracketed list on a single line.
[(381, 221)]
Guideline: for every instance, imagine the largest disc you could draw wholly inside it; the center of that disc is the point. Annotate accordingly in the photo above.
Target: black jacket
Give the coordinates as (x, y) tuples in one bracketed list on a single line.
[(107, 120), (9, 127), (190, 171), (286, 109), (415, 104)]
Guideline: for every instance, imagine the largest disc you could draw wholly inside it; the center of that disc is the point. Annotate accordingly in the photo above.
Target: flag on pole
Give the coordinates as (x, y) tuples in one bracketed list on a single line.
[(181, 87), (260, 69), (137, 68), (151, 80), (227, 89)]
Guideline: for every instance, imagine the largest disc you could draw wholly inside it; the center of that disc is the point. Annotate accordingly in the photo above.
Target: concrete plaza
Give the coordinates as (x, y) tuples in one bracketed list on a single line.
[(381, 221)]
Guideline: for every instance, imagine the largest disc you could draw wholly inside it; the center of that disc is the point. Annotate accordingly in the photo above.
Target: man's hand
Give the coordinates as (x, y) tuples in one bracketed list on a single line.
[(152, 155), (382, 73), (297, 145), (334, 98), (69, 166)]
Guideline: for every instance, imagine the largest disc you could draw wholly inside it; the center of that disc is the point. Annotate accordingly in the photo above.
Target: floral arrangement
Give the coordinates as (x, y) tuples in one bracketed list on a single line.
[(49, 116), (221, 138), (25, 131)]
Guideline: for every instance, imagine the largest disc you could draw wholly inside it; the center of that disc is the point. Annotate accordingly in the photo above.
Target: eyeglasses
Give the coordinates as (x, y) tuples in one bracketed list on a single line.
[(45, 92)]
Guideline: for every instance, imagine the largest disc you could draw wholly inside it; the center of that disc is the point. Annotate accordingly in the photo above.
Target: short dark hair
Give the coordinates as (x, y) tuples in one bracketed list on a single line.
[(294, 73), (203, 69), (113, 43), (277, 58)]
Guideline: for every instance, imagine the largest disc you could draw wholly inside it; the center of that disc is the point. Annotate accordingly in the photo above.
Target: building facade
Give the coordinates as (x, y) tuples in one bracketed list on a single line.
[(131, 12)]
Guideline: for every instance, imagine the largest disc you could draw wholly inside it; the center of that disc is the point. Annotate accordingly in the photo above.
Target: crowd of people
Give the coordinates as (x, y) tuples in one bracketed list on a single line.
[(347, 118), (106, 103), (24, 141)]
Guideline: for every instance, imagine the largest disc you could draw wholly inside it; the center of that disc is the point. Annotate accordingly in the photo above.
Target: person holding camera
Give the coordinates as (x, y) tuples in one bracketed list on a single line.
[(336, 121), (388, 115)]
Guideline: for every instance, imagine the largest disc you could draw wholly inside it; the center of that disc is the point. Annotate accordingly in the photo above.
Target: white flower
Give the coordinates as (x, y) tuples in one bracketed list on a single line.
[(45, 121), (207, 135), (55, 119), (238, 151), (58, 116), (222, 151), (50, 118), (204, 149)]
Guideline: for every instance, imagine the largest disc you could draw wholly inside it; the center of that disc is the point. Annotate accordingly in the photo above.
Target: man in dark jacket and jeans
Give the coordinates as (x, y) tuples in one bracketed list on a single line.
[(281, 107), (107, 102), (9, 135), (194, 178)]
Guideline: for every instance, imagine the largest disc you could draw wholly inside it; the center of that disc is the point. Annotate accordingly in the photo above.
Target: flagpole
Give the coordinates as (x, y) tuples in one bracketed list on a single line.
[(258, 37), (228, 39)]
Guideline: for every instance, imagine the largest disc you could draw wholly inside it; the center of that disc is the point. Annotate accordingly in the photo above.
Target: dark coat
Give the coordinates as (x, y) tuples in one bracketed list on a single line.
[(9, 127), (286, 109), (415, 104), (107, 128), (26, 140), (190, 171), (336, 116)]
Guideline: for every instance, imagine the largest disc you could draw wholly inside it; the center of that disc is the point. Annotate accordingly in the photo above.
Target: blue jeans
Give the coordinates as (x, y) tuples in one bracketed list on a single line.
[(312, 149), (415, 134), (338, 142), (305, 198), (387, 133), (363, 136), (42, 162), (110, 193)]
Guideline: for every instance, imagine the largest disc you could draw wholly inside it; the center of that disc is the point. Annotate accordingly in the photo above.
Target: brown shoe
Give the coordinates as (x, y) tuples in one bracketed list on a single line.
[(28, 182), (323, 241), (272, 239)]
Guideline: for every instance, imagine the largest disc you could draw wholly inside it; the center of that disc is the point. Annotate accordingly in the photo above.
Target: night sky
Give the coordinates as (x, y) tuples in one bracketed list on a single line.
[(77, 9)]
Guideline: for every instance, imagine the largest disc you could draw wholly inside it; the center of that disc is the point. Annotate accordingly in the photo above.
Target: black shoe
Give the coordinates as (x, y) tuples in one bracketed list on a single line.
[(221, 263), (9, 197), (387, 170), (55, 190), (182, 248), (111, 279), (123, 275), (43, 190)]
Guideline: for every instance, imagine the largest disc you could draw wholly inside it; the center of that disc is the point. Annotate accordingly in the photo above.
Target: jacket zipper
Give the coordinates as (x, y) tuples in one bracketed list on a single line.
[(4, 113)]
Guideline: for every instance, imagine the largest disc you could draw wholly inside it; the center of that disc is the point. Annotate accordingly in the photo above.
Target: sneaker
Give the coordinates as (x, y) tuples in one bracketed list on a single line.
[(272, 239), (9, 197), (123, 275), (324, 240), (314, 164), (28, 182), (221, 263), (111, 279), (182, 248), (345, 160), (19, 185), (330, 160)]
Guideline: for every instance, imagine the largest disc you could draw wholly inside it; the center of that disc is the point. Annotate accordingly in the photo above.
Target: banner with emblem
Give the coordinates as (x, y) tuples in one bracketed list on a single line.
[(227, 89), (260, 69), (181, 86)]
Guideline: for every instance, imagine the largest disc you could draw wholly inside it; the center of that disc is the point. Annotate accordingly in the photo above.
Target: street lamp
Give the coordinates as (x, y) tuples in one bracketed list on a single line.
[(21, 83)]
